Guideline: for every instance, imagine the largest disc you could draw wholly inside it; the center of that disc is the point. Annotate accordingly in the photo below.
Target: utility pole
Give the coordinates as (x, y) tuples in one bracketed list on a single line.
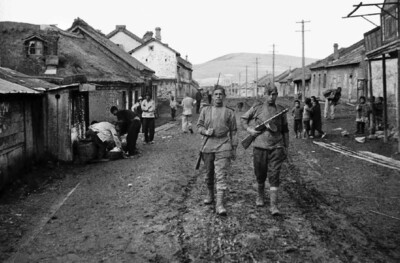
[(273, 65), (246, 82), (303, 96), (256, 77)]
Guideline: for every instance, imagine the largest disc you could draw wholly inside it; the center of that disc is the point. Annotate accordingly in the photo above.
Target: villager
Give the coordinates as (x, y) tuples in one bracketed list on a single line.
[(297, 113), (332, 97), (199, 97), (371, 115), (307, 118), (173, 105), (379, 113), (128, 123), (104, 136), (217, 123), (270, 147), (148, 108), (137, 107), (187, 104), (316, 118), (362, 110), (209, 95)]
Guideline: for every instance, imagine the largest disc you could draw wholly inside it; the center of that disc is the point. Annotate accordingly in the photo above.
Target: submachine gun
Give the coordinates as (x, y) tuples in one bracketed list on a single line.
[(246, 142)]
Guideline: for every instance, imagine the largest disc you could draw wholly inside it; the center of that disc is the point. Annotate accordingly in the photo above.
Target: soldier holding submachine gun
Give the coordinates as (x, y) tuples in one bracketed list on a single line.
[(271, 141)]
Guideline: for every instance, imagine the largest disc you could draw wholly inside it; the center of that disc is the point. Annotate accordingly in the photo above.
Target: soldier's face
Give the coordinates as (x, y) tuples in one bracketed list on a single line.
[(271, 97), (218, 97)]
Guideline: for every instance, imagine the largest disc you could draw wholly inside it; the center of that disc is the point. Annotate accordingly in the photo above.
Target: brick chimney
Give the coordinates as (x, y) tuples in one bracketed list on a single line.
[(158, 33), (147, 36), (118, 27), (335, 51)]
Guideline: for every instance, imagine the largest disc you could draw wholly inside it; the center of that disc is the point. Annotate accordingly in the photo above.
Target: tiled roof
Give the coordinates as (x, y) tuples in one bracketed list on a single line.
[(185, 63), (84, 27), (152, 40), (352, 55), (283, 76), (126, 31), (347, 56)]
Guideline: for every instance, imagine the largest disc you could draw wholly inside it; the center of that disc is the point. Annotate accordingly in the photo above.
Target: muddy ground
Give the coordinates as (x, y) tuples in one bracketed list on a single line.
[(149, 209)]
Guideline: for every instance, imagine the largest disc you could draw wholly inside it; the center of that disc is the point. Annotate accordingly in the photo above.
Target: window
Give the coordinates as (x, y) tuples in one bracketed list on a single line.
[(151, 48), (35, 47)]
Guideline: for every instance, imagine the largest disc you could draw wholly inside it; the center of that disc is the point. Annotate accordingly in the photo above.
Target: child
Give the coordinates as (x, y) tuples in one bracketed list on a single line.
[(173, 106), (316, 118), (362, 115), (297, 113), (307, 118), (379, 113)]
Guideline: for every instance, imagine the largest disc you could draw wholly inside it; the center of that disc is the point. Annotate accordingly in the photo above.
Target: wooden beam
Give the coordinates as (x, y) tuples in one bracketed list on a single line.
[(385, 131)]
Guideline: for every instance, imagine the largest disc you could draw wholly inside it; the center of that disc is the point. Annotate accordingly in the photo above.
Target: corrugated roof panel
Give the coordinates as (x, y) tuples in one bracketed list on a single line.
[(7, 87)]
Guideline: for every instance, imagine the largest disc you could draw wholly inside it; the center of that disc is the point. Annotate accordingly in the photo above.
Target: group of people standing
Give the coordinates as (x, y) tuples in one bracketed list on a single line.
[(307, 119)]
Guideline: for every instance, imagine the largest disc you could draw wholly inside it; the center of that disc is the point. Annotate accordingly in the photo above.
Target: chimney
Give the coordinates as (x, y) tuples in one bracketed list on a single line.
[(147, 36), (186, 57), (118, 27), (158, 33), (335, 51)]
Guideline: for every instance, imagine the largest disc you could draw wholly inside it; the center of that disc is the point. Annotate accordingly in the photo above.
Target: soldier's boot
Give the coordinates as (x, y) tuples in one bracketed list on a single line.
[(210, 195), (273, 195), (260, 196), (219, 207)]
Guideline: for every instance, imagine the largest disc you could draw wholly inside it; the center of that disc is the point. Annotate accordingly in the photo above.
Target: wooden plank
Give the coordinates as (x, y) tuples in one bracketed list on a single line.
[(11, 140)]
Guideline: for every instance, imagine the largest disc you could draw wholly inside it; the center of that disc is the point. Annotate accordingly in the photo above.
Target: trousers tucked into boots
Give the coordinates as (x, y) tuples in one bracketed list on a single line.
[(274, 201), (210, 195), (260, 196), (219, 207)]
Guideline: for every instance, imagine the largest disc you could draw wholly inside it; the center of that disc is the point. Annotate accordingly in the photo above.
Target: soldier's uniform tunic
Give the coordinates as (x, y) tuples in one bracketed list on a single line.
[(269, 152), (217, 151)]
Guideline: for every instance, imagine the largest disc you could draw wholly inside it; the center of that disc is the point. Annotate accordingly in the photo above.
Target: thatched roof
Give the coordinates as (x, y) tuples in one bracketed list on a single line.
[(85, 29)]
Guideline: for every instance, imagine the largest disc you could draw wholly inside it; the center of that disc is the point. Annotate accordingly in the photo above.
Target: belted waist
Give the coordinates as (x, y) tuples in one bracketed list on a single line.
[(220, 135)]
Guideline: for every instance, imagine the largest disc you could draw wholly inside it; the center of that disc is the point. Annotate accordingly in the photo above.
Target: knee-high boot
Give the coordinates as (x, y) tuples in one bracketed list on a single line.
[(210, 195), (260, 196), (274, 201), (219, 208)]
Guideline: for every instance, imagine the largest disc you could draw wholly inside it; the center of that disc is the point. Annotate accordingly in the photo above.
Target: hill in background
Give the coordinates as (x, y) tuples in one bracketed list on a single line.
[(232, 65)]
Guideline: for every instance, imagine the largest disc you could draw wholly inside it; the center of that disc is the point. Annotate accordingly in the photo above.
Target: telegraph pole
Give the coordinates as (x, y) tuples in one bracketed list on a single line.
[(303, 96), (273, 65), (246, 82), (256, 77)]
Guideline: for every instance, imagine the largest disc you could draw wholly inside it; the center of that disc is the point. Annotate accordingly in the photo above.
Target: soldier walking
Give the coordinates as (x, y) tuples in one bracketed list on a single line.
[(270, 146), (217, 124)]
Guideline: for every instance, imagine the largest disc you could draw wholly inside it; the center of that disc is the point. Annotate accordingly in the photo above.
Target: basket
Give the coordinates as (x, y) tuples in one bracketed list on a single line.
[(86, 151)]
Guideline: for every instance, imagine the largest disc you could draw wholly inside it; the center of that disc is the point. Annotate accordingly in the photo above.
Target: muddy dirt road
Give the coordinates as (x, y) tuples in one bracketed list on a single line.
[(149, 209)]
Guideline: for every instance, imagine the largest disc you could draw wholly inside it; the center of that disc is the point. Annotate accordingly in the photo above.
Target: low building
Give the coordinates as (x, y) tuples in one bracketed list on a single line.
[(345, 68), (22, 129)]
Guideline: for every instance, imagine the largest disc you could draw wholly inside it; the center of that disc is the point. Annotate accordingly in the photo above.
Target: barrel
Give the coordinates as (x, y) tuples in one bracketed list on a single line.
[(86, 151)]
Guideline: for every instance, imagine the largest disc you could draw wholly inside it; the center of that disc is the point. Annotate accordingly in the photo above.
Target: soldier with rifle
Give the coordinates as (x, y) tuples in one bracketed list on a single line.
[(217, 123), (270, 144)]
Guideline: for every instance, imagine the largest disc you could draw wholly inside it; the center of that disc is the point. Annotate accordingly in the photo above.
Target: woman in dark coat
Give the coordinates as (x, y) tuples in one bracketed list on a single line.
[(316, 118)]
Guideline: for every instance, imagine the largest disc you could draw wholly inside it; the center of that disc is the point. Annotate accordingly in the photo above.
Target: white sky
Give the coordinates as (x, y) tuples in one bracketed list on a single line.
[(206, 29)]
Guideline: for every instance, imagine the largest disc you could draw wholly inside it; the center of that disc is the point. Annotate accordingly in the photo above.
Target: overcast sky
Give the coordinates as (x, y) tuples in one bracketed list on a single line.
[(206, 29)]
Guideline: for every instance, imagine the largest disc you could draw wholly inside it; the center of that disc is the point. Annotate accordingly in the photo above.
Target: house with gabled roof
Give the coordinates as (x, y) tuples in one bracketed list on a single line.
[(124, 38), (345, 68), (284, 84), (174, 74), (79, 55)]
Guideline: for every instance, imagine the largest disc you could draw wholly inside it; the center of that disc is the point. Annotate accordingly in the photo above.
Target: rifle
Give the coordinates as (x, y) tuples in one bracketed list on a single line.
[(200, 154), (261, 127)]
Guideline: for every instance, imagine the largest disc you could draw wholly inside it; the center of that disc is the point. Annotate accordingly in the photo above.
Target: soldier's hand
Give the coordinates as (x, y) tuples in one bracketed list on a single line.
[(209, 132), (253, 132)]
